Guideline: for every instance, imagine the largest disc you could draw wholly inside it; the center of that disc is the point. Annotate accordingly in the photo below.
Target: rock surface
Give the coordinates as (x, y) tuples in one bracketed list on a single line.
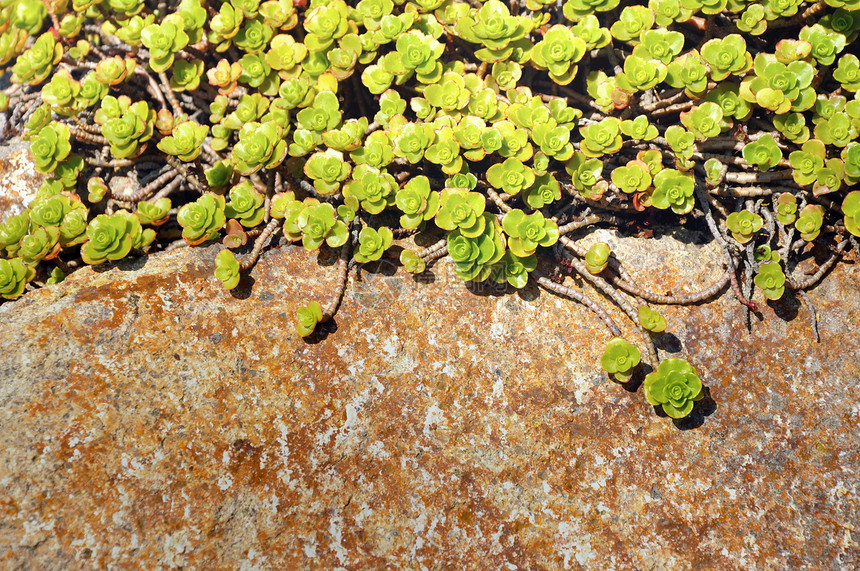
[(151, 419)]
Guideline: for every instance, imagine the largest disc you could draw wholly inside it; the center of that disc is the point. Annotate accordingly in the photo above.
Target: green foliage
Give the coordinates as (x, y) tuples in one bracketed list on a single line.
[(227, 269), (110, 237), (14, 276), (673, 189), (619, 358), (372, 244), (743, 225), (164, 40), (674, 386), (771, 280), (651, 320), (185, 141), (851, 210), (202, 219), (597, 257), (49, 146), (307, 318), (809, 221), (246, 205), (786, 208), (763, 153), (528, 231)]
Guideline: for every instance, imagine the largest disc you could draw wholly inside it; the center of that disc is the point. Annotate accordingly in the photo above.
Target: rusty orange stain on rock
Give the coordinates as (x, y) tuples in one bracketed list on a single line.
[(152, 419)]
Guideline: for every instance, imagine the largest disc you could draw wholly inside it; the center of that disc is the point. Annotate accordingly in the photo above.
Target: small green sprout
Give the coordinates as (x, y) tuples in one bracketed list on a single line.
[(639, 128), (780, 87), (513, 270), (727, 56), (851, 159), (474, 257), (164, 40), (661, 45), (14, 275), (97, 189), (851, 210), (417, 202), (838, 130), (450, 93), (763, 153), (633, 21), (715, 171), (307, 318), (675, 386), (792, 126), (586, 176), (588, 29), (634, 177), (690, 72), (114, 70), (110, 237), (601, 138), (416, 53), (326, 23), (43, 243), (829, 179), (743, 225), (847, 72), (246, 205), (641, 74), (412, 263), (154, 213), (576, 9), (445, 151), (826, 44), (49, 146), (727, 96), (764, 254), (463, 210), (15, 228), (126, 125), (225, 76), (260, 146), (376, 152), (558, 53), (512, 176), (227, 268), (319, 223), (328, 170), (131, 29), (705, 120), (808, 161), (545, 190), (597, 257), (528, 231), (752, 20), (412, 140), (374, 189), (372, 244), (620, 358), (60, 93), (202, 219), (771, 280), (651, 320), (553, 141), (786, 208), (493, 27), (185, 142), (809, 221), (36, 64), (673, 189), (186, 75)]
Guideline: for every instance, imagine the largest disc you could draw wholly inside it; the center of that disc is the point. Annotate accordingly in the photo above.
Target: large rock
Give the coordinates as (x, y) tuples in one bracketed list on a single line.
[(151, 419)]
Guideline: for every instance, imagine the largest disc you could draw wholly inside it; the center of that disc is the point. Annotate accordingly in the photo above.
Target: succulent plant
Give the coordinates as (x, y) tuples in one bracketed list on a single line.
[(164, 40), (809, 221), (673, 189), (246, 205), (851, 211), (14, 275), (49, 146), (259, 146), (528, 231), (763, 153), (307, 318), (227, 269), (597, 257), (674, 386), (318, 224), (743, 225), (110, 237), (202, 219), (771, 280), (185, 141), (620, 358), (372, 243), (651, 320)]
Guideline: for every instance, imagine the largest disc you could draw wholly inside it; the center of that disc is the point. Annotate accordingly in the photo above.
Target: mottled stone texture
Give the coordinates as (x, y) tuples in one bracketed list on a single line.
[(150, 419)]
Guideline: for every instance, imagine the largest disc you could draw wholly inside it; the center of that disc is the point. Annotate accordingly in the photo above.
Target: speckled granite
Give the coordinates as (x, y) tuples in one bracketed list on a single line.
[(150, 419)]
